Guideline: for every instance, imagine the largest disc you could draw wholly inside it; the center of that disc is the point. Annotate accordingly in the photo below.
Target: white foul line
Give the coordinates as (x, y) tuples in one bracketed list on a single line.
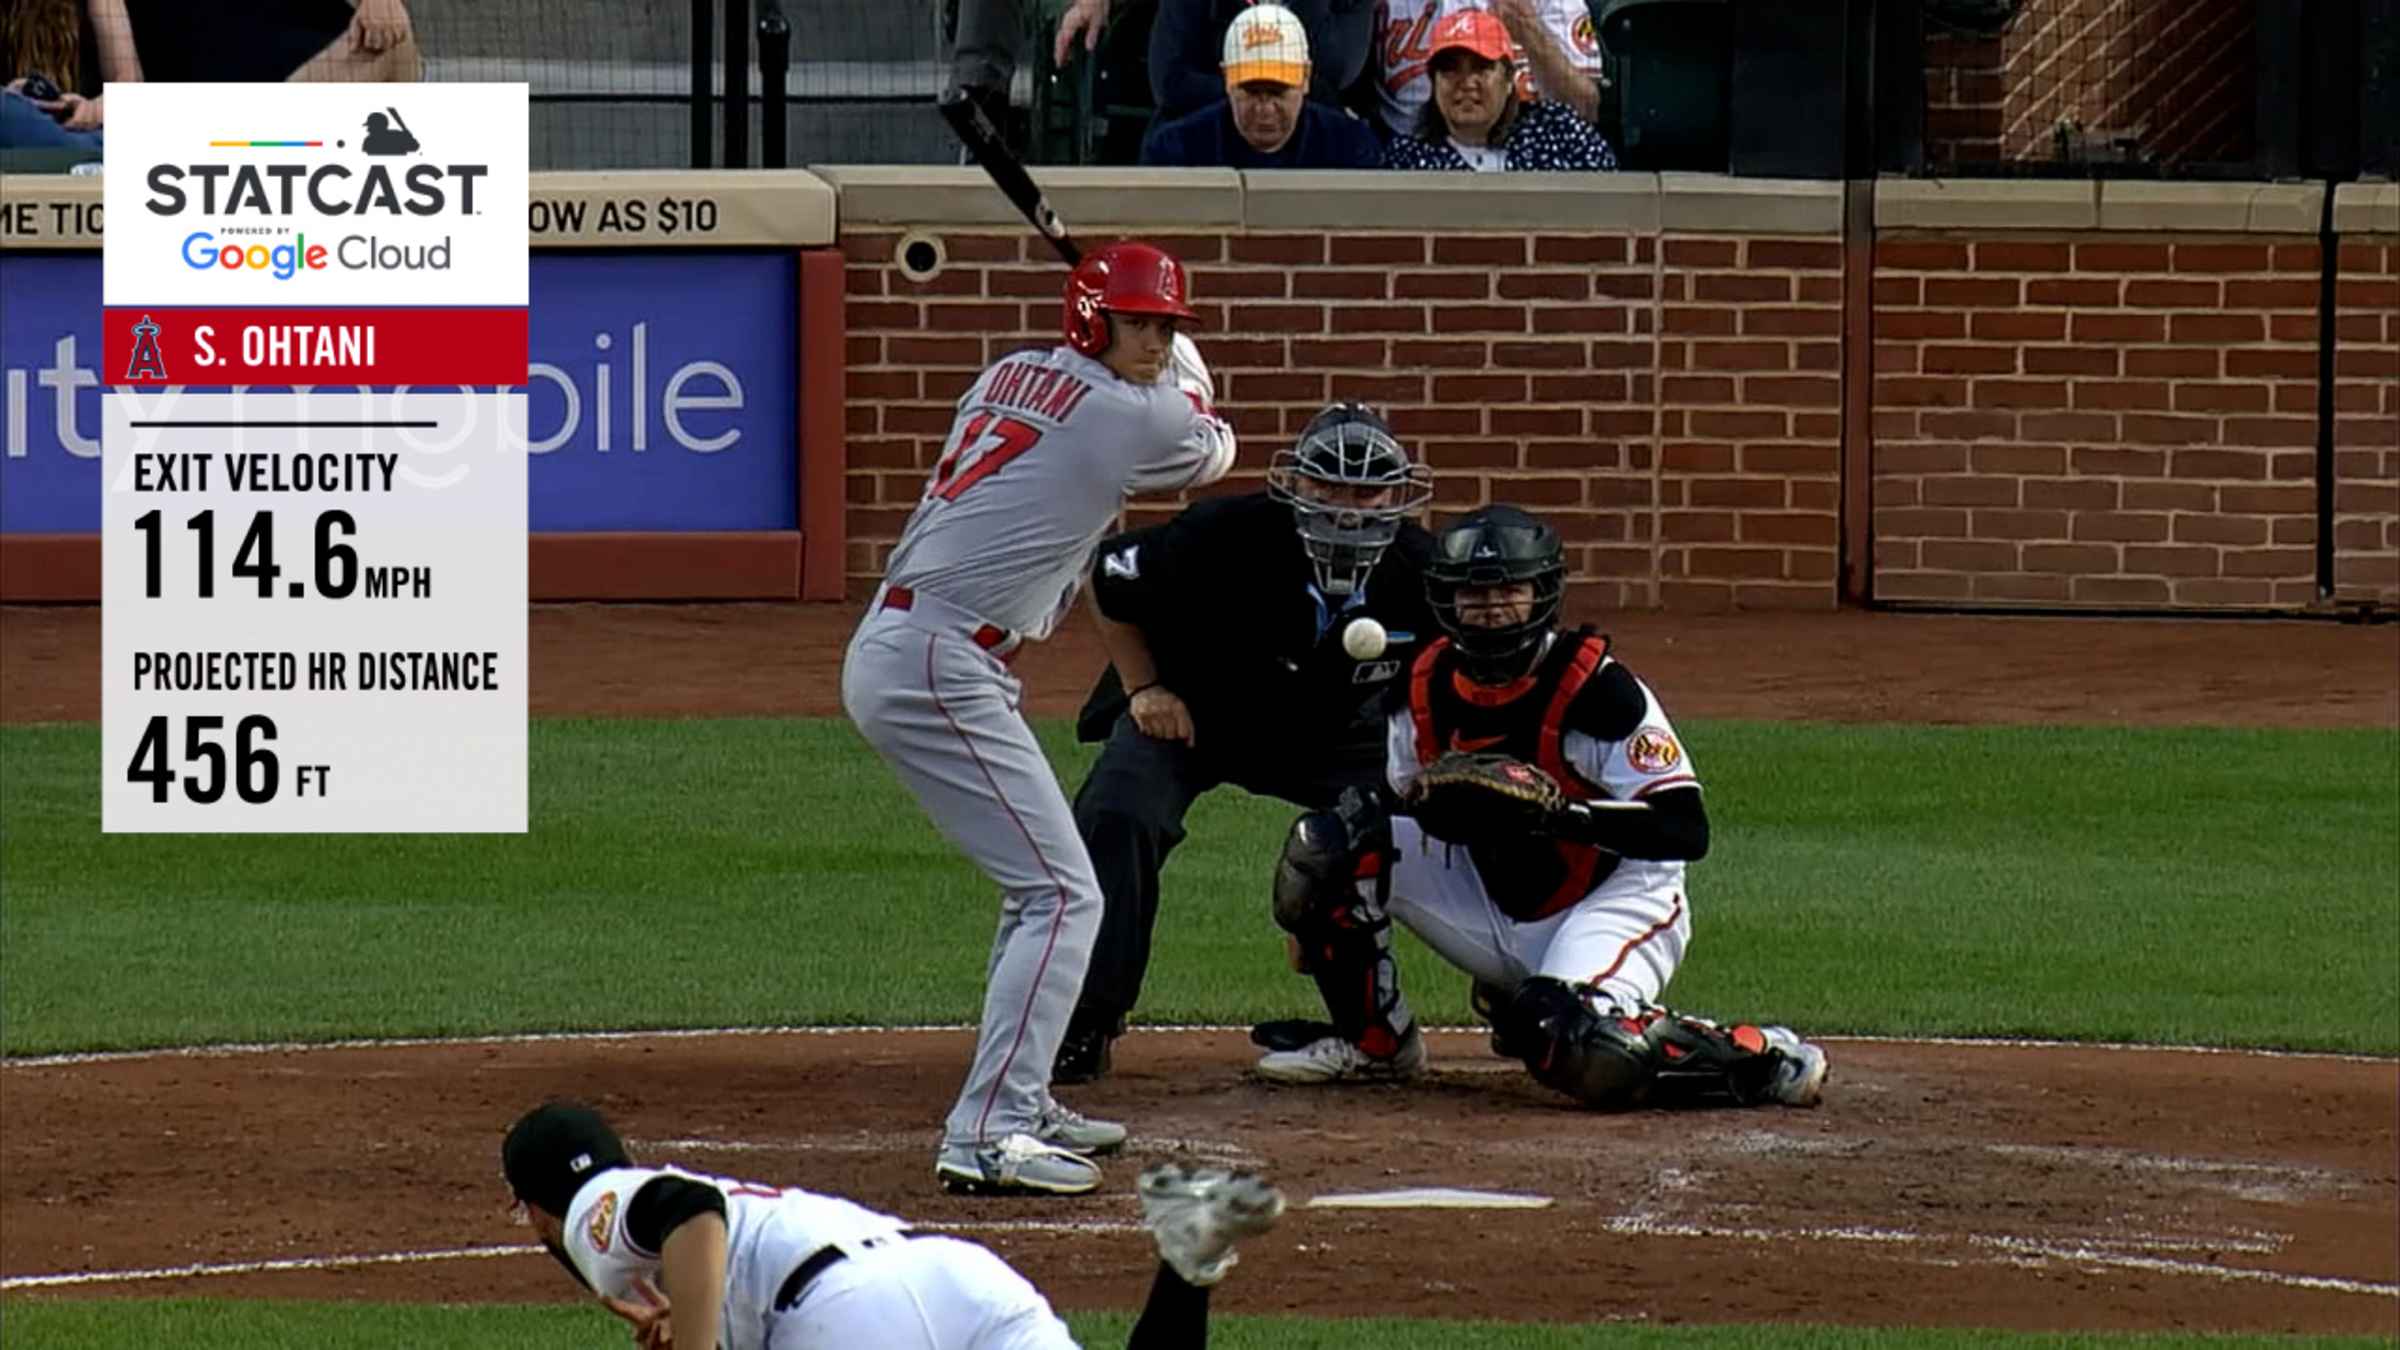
[(298, 1263)]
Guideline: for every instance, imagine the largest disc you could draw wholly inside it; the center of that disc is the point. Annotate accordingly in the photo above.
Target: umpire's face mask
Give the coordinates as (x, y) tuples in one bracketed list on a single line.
[(1345, 527)]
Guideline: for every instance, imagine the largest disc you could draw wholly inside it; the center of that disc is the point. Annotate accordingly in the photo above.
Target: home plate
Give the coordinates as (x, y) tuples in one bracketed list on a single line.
[(1431, 1197)]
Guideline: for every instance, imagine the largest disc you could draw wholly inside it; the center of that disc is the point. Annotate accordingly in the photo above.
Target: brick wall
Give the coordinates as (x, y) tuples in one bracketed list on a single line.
[(1965, 98), (2176, 74), (2123, 419), (1670, 401), (2366, 425)]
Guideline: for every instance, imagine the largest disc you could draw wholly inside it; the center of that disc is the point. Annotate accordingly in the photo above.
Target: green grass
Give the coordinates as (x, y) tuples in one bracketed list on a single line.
[(2205, 886), (201, 1325)]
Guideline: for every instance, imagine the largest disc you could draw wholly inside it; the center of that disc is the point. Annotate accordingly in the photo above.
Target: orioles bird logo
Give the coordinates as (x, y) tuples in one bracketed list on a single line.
[(603, 1222)]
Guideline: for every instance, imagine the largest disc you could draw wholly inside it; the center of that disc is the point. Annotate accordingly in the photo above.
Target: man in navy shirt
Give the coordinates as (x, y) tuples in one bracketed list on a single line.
[(1266, 120)]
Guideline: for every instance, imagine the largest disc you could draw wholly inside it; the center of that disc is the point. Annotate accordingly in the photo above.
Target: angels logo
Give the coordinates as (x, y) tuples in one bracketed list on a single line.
[(1653, 750), (146, 364), (603, 1223)]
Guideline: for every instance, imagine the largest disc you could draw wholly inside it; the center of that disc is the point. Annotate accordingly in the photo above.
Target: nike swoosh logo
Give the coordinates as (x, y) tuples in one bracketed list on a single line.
[(1471, 744)]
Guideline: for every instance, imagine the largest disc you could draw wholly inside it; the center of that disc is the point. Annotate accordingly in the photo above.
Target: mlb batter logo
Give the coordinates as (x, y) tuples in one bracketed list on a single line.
[(146, 364)]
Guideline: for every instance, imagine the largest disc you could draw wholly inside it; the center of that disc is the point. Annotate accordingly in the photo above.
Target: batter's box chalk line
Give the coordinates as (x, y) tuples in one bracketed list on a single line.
[(696, 1033), (2015, 1251)]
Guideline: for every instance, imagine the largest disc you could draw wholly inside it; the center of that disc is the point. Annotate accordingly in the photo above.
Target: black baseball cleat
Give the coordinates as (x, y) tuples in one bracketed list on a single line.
[(1084, 1056)]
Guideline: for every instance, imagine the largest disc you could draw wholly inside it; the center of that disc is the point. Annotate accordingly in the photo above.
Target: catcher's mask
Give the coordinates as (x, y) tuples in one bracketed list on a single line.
[(1349, 485), (553, 1149), (1497, 546)]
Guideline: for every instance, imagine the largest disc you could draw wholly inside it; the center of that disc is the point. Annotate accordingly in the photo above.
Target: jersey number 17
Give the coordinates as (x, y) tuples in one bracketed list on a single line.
[(984, 444)]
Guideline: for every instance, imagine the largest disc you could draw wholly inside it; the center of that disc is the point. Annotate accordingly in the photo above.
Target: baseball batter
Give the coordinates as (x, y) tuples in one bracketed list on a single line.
[(1046, 447), (706, 1261), (1571, 919)]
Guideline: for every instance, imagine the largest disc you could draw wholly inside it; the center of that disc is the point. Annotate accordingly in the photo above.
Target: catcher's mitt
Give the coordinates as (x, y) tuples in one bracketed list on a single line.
[(1466, 799)]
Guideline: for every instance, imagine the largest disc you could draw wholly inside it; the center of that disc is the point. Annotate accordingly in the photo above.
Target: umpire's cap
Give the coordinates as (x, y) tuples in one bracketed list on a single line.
[(553, 1149)]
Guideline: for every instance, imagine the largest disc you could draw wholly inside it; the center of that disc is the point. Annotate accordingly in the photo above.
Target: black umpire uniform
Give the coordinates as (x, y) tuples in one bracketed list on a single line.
[(1241, 626)]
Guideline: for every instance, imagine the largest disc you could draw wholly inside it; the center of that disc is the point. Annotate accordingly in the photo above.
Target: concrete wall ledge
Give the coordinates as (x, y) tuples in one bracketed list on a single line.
[(1101, 201), (1094, 202), (783, 207), (2366, 208), (1716, 203), (1378, 199), (2079, 204), (633, 208)]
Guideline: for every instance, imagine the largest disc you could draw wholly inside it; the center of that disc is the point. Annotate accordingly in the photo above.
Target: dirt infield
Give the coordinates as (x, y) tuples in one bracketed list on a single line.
[(2035, 1187), (2053, 1188)]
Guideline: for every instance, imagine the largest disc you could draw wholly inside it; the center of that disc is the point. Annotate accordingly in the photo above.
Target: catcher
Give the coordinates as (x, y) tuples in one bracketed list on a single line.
[(1540, 817)]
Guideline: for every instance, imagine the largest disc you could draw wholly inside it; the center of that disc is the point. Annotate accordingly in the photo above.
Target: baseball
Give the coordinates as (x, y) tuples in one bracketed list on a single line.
[(1363, 639)]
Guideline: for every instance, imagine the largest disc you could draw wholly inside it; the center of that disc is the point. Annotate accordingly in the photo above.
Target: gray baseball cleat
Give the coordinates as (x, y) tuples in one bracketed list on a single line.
[(1800, 1079), (1334, 1060), (1198, 1213), (1061, 1126), (1016, 1165)]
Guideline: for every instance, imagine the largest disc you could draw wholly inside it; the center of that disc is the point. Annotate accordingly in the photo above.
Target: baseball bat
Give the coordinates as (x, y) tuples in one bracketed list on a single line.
[(982, 140)]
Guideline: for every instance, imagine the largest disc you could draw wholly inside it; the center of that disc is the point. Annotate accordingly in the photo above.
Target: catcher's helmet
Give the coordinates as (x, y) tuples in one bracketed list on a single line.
[(1497, 546), (1127, 276), (1349, 483), (553, 1149)]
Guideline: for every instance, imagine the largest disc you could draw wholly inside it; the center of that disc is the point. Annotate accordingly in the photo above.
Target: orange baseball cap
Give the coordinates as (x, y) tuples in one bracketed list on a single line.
[(1474, 30), (1266, 42)]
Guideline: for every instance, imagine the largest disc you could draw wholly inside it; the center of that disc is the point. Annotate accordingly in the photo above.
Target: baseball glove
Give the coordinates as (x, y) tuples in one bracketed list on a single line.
[(1466, 799)]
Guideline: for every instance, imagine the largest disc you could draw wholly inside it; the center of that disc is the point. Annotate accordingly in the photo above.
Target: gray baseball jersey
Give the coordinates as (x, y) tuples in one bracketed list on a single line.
[(1046, 447)]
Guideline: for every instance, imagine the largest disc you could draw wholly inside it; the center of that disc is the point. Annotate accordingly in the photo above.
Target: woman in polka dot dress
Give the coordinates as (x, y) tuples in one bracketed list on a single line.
[(1477, 120)]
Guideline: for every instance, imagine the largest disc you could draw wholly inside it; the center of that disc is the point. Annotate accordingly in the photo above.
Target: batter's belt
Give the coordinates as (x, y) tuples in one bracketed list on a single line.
[(1000, 642)]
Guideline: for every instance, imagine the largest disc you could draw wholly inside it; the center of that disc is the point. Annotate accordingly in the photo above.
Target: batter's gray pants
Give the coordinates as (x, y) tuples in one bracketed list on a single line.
[(943, 713)]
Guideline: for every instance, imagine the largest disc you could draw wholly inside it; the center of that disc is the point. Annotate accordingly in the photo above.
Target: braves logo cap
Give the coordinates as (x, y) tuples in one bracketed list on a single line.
[(1472, 30)]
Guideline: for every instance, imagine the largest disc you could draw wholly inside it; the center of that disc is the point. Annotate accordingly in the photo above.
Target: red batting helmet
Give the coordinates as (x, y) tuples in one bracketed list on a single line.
[(1133, 277)]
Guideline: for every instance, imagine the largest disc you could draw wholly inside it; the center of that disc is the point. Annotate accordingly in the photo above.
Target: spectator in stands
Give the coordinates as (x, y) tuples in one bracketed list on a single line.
[(1552, 42), (1478, 120), (298, 40), (1184, 40), (1266, 119), (53, 40)]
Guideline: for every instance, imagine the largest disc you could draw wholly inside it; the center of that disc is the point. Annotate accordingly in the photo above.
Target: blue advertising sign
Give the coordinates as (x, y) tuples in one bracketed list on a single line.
[(664, 392)]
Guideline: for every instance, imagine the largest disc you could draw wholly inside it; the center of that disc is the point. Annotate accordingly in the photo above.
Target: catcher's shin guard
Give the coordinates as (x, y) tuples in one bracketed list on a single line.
[(1331, 862), (1571, 1047), (1573, 1040)]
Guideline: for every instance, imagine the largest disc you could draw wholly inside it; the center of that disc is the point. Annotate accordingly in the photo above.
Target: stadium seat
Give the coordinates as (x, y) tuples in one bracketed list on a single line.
[(1096, 108), (1672, 60)]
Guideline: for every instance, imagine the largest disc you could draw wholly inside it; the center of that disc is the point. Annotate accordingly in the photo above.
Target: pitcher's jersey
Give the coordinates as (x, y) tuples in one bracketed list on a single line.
[(768, 1232), (1404, 33), (1045, 449)]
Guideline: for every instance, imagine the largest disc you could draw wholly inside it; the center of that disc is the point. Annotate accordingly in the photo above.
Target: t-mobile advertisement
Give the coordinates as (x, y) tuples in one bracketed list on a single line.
[(664, 392)]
